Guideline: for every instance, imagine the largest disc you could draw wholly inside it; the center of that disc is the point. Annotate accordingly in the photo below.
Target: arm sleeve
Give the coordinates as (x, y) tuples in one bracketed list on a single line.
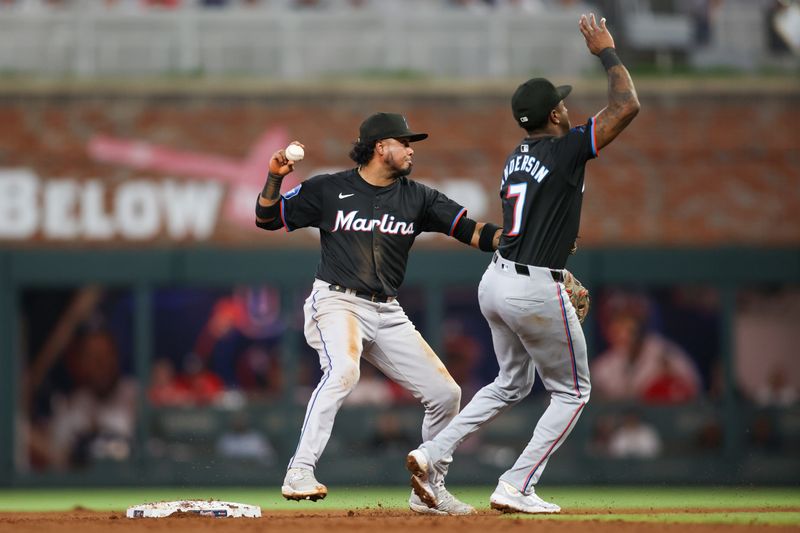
[(302, 206), (442, 214), (576, 148)]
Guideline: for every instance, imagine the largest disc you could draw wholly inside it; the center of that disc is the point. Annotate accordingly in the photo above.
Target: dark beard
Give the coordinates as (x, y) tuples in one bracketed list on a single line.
[(400, 173)]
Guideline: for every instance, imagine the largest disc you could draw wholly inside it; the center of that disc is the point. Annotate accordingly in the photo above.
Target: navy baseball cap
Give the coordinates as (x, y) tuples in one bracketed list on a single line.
[(534, 99), (385, 126)]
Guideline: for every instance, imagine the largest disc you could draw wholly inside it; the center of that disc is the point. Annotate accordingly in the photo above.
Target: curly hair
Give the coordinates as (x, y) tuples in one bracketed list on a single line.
[(362, 152)]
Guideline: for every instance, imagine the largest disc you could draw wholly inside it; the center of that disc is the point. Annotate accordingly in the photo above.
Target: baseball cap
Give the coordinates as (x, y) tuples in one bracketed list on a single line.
[(534, 99), (387, 125)]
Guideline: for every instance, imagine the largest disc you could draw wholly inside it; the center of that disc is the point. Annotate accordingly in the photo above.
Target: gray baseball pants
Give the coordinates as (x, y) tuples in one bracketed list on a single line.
[(534, 328), (342, 328)]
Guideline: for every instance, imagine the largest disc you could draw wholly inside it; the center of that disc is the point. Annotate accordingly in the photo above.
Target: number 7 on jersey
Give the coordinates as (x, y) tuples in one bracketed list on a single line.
[(517, 191)]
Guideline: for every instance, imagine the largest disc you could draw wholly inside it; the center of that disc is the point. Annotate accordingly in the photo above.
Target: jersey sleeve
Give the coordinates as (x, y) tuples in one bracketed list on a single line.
[(441, 213), (574, 149), (302, 206)]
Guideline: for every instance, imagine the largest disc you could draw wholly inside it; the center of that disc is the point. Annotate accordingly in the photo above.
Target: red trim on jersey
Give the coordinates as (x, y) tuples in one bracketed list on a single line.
[(550, 450), (569, 341), (455, 222)]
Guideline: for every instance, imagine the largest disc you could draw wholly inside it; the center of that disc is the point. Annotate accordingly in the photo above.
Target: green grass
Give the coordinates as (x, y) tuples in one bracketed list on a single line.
[(774, 518), (775, 505)]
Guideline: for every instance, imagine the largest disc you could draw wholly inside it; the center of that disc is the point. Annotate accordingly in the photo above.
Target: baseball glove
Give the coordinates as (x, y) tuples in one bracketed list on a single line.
[(578, 295)]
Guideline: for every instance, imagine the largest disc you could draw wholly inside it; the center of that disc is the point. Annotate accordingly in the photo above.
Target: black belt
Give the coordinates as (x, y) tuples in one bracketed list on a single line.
[(371, 296), (523, 270)]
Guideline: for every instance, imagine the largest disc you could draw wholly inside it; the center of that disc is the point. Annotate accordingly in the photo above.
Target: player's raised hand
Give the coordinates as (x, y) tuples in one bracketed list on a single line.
[(279, 164), (597, 36)]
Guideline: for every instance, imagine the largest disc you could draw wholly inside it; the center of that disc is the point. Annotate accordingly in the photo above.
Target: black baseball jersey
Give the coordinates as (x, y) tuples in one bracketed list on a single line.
[(542, 192), (367, 231)]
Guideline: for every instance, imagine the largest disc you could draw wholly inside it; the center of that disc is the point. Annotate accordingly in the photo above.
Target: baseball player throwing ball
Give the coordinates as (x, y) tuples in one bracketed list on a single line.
[(368, 218), (522, 293)]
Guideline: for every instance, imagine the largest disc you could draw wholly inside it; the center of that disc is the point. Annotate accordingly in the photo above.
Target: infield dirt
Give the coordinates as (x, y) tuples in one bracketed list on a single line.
[(366, 520)]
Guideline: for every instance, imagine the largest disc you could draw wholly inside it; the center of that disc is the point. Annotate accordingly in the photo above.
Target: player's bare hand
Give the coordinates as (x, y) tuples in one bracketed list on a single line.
[(279, 164), (597, 36)]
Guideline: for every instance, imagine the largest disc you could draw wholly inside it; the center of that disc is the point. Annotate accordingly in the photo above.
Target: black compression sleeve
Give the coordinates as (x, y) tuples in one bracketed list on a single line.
[(268, 213), (464, 230), (486, 241)]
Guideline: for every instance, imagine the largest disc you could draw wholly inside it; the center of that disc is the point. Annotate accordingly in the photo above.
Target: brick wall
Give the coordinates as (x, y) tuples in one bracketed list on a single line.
[(714, 169)]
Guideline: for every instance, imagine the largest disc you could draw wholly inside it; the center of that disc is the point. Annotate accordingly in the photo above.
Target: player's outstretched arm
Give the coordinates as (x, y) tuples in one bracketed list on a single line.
[(486, 236), (481, 235), (623, 103), (267, 209)]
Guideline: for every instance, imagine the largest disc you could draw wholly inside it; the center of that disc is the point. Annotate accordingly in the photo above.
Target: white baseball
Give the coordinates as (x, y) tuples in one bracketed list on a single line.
[(294, 152)]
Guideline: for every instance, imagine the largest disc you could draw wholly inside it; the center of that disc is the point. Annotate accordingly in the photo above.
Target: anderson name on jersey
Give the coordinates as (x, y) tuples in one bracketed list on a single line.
[(366, 231), (541, 192)]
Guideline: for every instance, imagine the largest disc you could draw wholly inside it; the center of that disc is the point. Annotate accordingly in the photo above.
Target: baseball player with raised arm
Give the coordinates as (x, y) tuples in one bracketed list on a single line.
[(522, 293), (368, 218)]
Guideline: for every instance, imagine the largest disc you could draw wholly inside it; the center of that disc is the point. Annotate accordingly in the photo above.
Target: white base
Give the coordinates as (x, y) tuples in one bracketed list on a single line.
[(213, 508)]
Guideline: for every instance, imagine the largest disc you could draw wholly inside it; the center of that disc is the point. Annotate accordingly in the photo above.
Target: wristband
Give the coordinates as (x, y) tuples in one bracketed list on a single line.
[(609, 58), (486, 240)]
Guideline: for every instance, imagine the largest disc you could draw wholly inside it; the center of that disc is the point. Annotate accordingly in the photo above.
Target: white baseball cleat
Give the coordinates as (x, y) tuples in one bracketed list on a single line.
[(509, 500), (429, 496), (448, 504), (300, 484), (417, 463)]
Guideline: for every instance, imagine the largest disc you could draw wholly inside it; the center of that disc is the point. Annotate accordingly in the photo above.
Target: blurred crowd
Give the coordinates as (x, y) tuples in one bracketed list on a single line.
[(222, 348), (480, 5)]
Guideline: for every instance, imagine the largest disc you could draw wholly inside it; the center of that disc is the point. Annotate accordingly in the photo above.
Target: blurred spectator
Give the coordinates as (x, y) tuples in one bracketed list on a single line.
[(390, 435), (96, 418), (240, 341), (766, 338), (306, 377), (639, 360), (462, 356), (600, 438), (634, 439), (668, 386), (701, 13), (164, 387), (204, 386), (776, 390), (709, 437), (763, 434), (372, 388), (163, 4), (195, 386), (259, 373), (242, 442)]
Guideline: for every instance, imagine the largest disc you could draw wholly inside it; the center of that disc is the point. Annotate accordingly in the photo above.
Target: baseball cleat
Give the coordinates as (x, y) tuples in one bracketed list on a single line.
[(300, 484), (507, 499), (448, 504), (417, 463)]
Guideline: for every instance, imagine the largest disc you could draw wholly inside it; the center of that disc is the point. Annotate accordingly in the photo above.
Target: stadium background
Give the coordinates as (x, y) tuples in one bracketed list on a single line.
[(133, 141)]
